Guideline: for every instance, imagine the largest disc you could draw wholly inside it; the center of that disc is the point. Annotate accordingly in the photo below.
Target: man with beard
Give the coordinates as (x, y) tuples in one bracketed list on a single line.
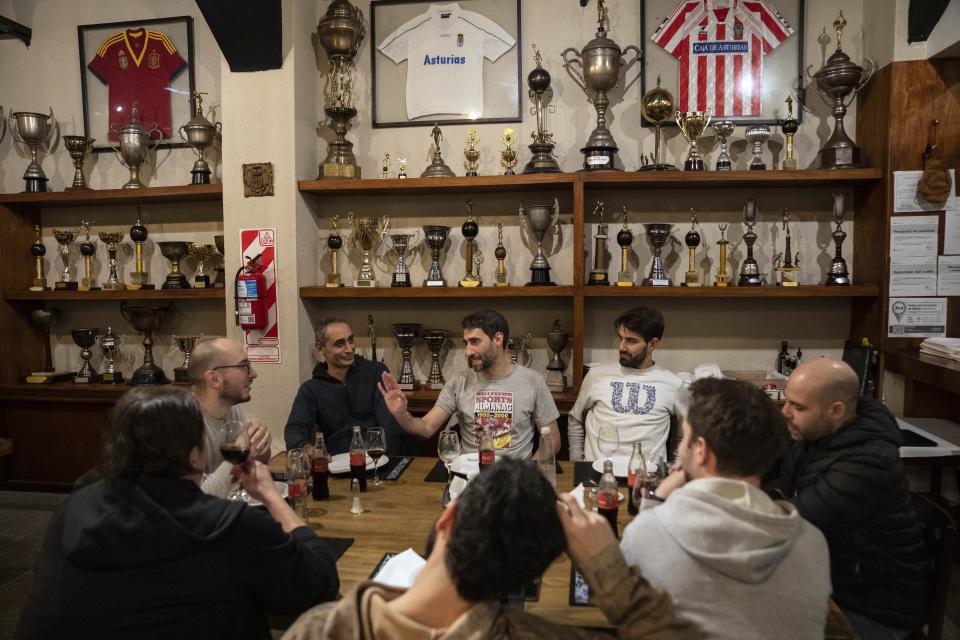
[(509, 399), (220, 377), (735, 562), (636, 395), (341, 393)]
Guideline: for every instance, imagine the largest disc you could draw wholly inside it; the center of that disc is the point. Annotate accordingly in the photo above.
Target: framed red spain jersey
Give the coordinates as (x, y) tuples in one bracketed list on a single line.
[(737, 59)]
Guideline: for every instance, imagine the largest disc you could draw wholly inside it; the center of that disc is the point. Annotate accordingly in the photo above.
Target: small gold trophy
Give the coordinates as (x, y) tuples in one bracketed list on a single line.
[(402, 167), (88, 249), (139, 279), (500, 253), (471, 153), (508, 155), (787, 270), (37, 250), (202, 253), (789, 127), (601, 258), (385, 166), (470, 229), (625, 240), (334, 243), (692, 240), (723, 278)]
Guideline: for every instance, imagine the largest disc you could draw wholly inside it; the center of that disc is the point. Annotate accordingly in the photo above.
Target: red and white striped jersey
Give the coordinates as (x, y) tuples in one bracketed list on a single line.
[(720, 45)]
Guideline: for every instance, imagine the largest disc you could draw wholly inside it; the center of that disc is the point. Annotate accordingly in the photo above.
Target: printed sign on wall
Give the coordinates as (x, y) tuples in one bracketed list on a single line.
[(263, 343)]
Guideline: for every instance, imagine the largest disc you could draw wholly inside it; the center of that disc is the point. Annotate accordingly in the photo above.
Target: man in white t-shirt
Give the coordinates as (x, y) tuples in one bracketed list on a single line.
[(511, 400), (444, 48), (635, 395)]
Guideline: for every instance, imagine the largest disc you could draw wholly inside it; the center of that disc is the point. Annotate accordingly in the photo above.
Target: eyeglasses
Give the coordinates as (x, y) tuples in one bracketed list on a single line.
[(242, 365)]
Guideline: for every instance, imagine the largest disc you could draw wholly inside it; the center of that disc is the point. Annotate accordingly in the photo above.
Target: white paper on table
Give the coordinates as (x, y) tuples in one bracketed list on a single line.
[(578, 495), (911, 279), (948, 276), (951, 232), (913, 239), (917, 317), (907, 200), (401, 570)]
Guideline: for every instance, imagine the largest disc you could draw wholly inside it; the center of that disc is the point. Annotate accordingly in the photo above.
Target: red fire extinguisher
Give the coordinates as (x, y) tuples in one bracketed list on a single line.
[(250, 303)]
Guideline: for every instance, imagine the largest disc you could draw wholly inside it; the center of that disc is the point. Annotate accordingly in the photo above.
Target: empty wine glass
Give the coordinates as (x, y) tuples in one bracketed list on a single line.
[(376, 447), (448, 448), (235, 449), (608, 440)]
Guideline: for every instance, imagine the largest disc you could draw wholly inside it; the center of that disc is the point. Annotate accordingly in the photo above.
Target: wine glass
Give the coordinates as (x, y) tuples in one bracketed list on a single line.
[(235, 449), (448, 448), (376, 447), (608, 439)]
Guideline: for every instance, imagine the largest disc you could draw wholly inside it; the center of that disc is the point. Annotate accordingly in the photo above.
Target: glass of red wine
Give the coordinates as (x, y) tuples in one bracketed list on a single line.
[(235, 449), (376, 447)]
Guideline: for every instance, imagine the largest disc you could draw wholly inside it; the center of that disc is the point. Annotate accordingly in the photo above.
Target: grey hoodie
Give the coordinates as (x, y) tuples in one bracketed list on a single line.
[(736, 563)]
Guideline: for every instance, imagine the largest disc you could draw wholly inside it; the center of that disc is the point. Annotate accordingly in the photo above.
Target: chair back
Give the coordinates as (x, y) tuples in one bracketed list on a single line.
[(940, 537)]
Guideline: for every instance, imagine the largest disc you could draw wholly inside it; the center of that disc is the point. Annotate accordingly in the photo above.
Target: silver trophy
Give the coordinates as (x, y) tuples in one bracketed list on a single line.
[(435, 339), (557, 341), (838, 275), (175, 252), (77, 147), (657, 234), (757, 135), (401, 273), (85, 338), (435, 236), (64, 239), (722, 129), (406, 334), (186, 344), (147, 320), (199, 133), (368, 233), (35, 131), (516, 346), (134, 146), (536, 219), (110, 346), (750, 270), (603, 64), (437, 167), (541, 149)]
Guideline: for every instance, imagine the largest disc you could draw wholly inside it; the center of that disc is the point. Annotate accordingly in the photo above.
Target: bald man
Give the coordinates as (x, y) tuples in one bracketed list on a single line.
[(844, 475), (221, 376)]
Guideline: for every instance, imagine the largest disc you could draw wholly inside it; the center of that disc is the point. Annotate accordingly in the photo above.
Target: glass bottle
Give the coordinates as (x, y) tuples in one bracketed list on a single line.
[(321, 469), (358, 458), (546, 461), (487, 452), (608, 498), (636, 479)]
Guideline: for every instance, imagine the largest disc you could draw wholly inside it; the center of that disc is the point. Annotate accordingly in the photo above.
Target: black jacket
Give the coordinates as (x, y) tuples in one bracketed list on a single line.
[(157, 558), (851, 486), (334, 407)]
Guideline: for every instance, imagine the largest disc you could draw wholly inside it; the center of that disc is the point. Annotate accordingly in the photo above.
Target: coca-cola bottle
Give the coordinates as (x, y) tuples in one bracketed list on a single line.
[(608, 499), (636, 479), (358, 458), (321, 469), (487, 453)]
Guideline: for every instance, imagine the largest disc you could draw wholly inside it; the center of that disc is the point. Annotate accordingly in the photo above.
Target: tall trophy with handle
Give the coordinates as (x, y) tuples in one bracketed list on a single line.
[(36, 132)]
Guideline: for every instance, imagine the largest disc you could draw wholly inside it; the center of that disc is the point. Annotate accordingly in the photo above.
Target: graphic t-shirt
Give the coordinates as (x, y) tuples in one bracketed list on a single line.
[(444, 48), (720, 45), (513, 407), (138, 65)]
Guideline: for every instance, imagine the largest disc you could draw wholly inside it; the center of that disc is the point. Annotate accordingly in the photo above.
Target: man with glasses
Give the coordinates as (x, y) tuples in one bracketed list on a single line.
[(220, 378)]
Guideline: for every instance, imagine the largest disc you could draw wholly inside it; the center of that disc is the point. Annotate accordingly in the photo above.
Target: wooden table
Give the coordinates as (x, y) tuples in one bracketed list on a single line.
[(400, 515)]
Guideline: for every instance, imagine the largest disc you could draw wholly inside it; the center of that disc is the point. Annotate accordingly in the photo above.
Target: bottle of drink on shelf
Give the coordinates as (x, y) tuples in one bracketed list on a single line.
[(608, 499), (636, 479), (487, 453), (782, 358), (546, 459), (358, 458), (321, 469)]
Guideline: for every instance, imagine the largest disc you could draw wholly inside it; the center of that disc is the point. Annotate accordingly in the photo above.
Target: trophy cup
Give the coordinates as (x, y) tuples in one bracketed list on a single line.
[(541, 149), (406, 333), (367, 234), (470, 229), (723, 278), (517, 345), (147, 320), (500, 253), (88, 249), (200, 134), (435, 236), (334, 244), (34, 131), (758, 135), (536, 219), (186, 344), (37, 250), (401, 273), (385, 167), (471, 153), (174, 252), (110, 346), (201, 253), (749, 270), (112, 240), (787, 272), (435, 339), (85, 338), (219, 282), (401, 168), (722, 129), (692, 125), (692, 240), (437, 167), (625, 240), (45, 318), (789, 128), (64, 239), (508, 155), (557, 341), (340, 32), (657, 105), (139, 279), (838, 275), (657, 234), (837, 79), (601, 257), (603, 65), (134, 146), (77, 147)]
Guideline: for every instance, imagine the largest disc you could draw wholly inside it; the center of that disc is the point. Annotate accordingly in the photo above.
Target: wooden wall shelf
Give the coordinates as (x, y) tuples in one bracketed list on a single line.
[(437, 292), (100, 197), (811, 291), (417, 186), (96, 296)]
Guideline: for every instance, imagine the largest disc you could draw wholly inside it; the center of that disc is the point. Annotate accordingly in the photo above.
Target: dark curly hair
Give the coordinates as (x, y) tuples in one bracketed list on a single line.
[(643, 321), (506, 531), (489, 321), (152, 431)]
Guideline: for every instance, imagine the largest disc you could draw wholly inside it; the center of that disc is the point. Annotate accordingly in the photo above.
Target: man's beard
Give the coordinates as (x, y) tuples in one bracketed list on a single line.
[(234, 397), (486, 361), (633, 362)]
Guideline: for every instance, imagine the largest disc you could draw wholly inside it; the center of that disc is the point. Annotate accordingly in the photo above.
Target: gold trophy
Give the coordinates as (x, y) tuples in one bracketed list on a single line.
[(202, 254), (692, 125), (368, 233), (557, 341), (601, 258), (112, 240), (334, 243), (110, 346), (140, 278), (657, 105), (88, 249), (788, 269), (500, 253), (401, 168), (789, 127), (508, 155), (471, 153), (692, 240), (385, 166), (37, 250), (470, 229), (723, 278), (625, 239)]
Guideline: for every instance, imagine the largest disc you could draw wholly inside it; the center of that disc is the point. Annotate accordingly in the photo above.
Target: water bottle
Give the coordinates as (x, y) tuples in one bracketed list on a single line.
[(547, 463)]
